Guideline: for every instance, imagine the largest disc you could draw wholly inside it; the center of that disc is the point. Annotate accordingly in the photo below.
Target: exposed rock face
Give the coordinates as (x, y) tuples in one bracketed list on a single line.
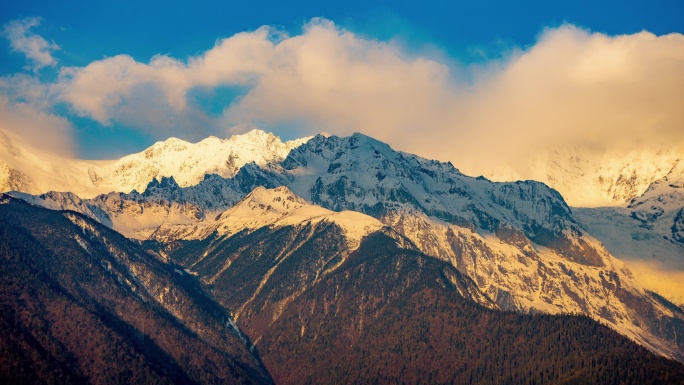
[(660, 207)]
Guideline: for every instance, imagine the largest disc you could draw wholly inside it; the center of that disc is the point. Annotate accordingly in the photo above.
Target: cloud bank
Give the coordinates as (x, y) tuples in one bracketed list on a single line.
[(571, 88), (578, 89)]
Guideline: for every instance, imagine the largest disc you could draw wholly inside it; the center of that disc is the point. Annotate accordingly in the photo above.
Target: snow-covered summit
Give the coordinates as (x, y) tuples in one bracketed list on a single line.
[(188, 162), (280, 207), (32, 171), (661, 207), (362, 174)]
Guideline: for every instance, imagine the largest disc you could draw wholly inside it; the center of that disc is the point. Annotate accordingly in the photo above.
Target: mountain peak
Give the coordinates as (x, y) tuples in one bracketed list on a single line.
[(188, 162), (171, 143), (255, 132), (364, 137), (279, 199), (281, 207), (163, 182), (256, 136), (268, 140)]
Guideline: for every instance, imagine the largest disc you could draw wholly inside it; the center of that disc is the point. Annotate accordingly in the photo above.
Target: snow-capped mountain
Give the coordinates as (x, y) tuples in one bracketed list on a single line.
[(188, 163), (518, 241), (273, 208), (597, 180), (32, 171), (661, 207), (362, 174)]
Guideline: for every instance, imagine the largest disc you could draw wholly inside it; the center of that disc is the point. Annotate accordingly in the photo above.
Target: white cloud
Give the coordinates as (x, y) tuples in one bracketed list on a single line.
[(326, 77), (571, 88), (153, 96), (341, 83), (574, 89), (37, 50)]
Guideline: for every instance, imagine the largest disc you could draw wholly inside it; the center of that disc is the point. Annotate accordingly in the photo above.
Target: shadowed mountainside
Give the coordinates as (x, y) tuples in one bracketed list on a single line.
[(79, 303)]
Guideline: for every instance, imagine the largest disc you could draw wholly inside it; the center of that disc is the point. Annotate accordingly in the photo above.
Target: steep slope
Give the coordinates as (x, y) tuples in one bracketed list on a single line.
[(384, 312), (32, 171), (81, 304), (595, 180), (264, 252), (395, 315), (518, 241)]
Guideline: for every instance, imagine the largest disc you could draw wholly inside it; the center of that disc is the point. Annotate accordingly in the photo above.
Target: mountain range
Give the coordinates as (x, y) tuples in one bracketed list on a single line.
[(27, 169), (330, 244)]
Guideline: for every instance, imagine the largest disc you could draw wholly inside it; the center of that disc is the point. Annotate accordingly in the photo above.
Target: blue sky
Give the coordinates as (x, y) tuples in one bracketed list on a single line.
[(473, 41), (90, 30)]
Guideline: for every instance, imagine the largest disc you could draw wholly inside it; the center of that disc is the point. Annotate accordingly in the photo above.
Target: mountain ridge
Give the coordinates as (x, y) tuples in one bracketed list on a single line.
[(26, 169), (519, 241)]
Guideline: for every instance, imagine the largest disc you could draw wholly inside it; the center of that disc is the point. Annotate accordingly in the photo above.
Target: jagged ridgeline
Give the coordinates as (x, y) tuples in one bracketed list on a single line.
[(372, 265)]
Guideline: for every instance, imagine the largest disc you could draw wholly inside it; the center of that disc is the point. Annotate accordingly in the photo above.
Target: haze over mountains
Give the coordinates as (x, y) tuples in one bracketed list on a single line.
[(587, 180), (272, 229)]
